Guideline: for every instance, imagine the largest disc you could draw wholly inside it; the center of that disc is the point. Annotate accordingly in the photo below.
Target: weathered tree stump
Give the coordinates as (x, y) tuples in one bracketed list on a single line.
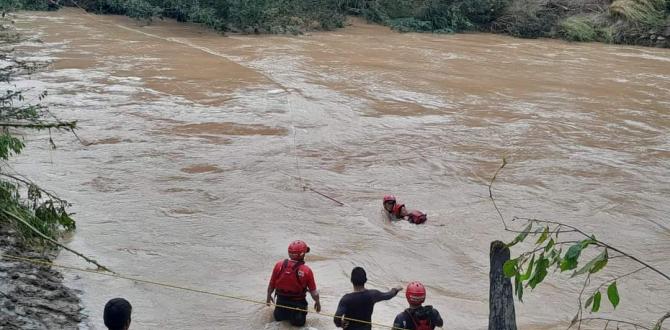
[(501, 299)]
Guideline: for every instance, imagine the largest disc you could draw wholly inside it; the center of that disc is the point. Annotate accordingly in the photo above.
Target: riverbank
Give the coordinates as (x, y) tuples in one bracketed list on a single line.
[(32, 296), (633, 22)]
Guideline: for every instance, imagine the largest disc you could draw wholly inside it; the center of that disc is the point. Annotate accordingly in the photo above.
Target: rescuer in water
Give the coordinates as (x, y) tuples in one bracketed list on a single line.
[(417, 316), (397, 211)]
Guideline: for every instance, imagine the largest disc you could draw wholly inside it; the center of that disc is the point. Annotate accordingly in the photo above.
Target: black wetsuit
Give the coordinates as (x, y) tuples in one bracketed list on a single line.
[(359, 306)]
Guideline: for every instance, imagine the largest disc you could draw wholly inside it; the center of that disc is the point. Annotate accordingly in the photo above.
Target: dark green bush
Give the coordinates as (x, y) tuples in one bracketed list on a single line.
[(528, 19), (578, 28)]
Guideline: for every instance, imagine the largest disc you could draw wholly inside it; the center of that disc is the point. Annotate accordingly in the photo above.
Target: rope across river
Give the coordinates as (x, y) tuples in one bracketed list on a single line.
[(184, 288), (195, 290)]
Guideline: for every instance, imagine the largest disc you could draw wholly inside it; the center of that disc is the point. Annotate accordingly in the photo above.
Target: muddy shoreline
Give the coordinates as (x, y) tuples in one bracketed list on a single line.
[(33, 296)]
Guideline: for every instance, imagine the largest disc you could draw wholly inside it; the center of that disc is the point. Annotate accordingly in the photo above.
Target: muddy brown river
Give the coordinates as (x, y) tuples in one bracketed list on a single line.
[(198, 146)]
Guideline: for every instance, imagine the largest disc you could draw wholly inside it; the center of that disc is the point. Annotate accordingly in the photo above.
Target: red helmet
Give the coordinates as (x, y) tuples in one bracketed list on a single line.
[(389, 198), (415, 293), (297, 250)]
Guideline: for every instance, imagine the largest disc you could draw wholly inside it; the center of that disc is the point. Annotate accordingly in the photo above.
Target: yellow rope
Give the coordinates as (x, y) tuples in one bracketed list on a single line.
[(177, 287)]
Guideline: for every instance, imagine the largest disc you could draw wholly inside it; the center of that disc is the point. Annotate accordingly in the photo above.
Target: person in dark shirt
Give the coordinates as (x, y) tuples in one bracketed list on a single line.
[(359, 304), (417, 317)]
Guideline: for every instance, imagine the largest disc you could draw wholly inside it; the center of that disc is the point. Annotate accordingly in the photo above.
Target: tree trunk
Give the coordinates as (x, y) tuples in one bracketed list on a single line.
[(501, 299)]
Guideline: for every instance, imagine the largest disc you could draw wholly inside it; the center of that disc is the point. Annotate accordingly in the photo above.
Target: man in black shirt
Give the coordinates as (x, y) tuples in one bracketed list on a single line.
[(359, 304)]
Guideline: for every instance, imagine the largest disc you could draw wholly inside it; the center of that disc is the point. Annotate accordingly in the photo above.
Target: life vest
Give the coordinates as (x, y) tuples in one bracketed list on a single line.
[(397, 209), (288, 283), (417, 217), (422, 318)]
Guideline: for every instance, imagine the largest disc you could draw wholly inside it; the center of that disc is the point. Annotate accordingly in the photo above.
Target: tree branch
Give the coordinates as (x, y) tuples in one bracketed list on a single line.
[(30, 183), (620, 277), (602, 244), (68, 124), (616, 321), (594, 241), (504, 162), (17, 218), (659, 324)]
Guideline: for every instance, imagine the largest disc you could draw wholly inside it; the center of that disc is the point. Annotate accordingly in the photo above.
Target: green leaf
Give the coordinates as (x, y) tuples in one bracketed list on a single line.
[(599, 265), (522, 235), (591, 265), (588, 302), (557, 258), (518, 287), (544, 236), (540, 272), (568, 264), (526, 276), (585, 243), (569, 261), (596, 302), (574, 251), (613, 294), (549, 245), (509, 268)]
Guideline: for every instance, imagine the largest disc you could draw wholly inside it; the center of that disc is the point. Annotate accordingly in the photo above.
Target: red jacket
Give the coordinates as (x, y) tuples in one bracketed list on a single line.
[(292, 279)]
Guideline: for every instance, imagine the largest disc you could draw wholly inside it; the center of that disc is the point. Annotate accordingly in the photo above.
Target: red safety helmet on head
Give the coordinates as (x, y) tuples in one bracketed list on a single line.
[(415, 293), (389, 198), (297, 250)]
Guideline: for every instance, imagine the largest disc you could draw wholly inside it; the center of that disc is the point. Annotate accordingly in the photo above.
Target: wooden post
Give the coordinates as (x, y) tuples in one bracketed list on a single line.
[(501, 299)]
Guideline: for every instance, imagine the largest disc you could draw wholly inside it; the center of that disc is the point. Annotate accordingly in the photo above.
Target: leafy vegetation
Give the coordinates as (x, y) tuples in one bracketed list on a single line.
[(620, 21), (578, 28), (563, 248)]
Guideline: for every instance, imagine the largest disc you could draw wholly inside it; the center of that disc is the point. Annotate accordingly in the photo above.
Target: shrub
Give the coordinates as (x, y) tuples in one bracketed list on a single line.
[(578, 28), (646, 12), (527, 19)]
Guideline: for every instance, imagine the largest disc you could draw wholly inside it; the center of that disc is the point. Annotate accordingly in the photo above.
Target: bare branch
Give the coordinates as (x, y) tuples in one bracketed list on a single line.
[(69, 125), (635, 259), (588, 319), (504, 162), (620, 277), (24, 222), (659, 323)]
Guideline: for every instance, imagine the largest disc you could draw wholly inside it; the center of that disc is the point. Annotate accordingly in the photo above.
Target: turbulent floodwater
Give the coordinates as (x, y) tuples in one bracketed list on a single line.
[(199, 144)]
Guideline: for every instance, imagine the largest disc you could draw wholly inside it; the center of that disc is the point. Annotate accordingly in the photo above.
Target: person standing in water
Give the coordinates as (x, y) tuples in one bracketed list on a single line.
[(291, 280), (359, 304), (417, 317)]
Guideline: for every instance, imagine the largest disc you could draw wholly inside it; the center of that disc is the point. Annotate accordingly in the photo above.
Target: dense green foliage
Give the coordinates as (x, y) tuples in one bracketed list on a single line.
[(12, 5), (261, 16), (620, 21)]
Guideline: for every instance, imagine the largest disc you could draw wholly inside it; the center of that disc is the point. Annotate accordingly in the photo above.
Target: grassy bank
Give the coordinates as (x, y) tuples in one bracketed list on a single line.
[(643, 22)]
